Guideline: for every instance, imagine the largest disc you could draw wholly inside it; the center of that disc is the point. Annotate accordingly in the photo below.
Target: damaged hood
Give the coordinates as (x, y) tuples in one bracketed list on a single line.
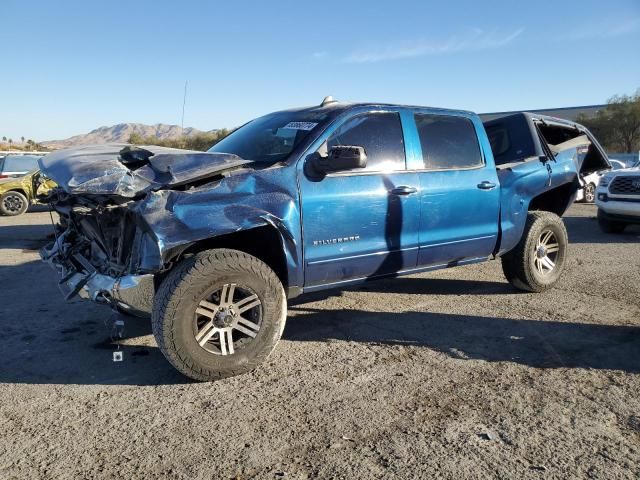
[(129, 171)]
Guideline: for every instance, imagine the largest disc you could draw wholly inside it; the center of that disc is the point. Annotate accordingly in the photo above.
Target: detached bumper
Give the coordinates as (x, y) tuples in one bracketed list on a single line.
[(131, 293)]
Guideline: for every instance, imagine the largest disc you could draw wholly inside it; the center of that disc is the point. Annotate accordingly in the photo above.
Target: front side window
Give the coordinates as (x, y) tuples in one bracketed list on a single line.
[(380, 134), (448, 142)]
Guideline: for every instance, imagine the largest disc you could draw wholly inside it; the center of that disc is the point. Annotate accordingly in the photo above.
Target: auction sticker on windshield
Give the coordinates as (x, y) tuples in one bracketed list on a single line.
[(300, 125)]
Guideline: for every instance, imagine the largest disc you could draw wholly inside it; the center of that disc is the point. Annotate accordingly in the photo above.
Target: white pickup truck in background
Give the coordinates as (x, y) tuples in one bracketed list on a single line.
[(618, 199)]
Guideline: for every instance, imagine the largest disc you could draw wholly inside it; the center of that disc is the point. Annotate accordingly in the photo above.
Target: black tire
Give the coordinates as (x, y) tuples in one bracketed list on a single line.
[(13, 203), (175, 323), (589, 192), (610, 226), (524, 266)]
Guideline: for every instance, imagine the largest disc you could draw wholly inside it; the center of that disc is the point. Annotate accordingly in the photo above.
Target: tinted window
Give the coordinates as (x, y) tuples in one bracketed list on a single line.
[(499, 139), (448, 142), (381, 136), (20, 163)]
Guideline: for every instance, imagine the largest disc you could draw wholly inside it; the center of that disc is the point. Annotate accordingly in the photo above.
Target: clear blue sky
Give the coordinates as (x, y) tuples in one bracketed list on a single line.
[(67, 67)]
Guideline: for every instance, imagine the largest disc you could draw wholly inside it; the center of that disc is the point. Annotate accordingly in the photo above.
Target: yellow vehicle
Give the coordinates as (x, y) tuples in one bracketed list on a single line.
[(16, 194)]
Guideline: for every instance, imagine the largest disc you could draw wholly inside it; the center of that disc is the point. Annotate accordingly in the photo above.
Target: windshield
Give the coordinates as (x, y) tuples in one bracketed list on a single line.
[(271, 138)]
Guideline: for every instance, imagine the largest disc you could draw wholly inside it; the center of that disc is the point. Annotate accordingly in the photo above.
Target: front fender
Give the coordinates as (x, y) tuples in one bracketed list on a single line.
[(176, 220)]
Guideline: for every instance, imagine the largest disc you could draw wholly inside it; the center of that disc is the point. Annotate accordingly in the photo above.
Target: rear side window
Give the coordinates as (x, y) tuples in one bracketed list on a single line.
[(381, 136), (448, 142), (499, 139)]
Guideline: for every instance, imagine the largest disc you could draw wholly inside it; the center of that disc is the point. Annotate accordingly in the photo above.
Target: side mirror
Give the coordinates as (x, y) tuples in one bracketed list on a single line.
[(340, 158)]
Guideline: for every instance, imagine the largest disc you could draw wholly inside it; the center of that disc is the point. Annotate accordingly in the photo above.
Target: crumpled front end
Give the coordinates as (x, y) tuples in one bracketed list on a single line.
[(105, 250), (102, 255), (114, 248)]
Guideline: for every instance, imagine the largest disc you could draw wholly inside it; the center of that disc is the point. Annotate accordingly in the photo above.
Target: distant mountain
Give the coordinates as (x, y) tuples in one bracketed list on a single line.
[(120, 134)]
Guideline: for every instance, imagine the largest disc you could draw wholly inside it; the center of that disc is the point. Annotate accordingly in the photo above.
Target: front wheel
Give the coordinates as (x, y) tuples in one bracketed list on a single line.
[(218, 314), (13, 203), (536, 263)]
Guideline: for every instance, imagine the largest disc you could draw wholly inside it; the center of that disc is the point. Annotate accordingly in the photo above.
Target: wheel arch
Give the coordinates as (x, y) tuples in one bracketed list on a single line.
[(19, 190), (266, 241), (555, 200)]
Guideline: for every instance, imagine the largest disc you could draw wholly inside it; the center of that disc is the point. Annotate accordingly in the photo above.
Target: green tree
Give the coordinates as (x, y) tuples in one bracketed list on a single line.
[(136, 139), (201, 141), (617, 126)]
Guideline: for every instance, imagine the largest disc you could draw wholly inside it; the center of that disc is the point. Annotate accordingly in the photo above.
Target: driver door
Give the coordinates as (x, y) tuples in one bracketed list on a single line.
[(361, 223)]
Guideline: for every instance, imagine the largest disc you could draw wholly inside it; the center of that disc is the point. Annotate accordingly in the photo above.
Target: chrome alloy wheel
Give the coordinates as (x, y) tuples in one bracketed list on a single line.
[(12, 202), (546, 252), (228, 320), (589, 193)]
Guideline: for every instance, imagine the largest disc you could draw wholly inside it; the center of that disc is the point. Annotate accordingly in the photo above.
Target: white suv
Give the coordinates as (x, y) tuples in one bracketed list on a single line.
[(618, 199)]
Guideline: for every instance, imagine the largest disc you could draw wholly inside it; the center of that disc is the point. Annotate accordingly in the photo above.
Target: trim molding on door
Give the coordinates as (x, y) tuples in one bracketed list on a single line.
[(364, 255), (458, 241)]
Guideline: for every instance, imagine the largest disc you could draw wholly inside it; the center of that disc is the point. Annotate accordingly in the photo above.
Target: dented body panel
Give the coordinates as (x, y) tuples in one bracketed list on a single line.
[(105, 170), (241, 201), (129, 214)]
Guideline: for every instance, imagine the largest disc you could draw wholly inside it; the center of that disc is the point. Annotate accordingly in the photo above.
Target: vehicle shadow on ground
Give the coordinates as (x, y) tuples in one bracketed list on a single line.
[(416, 286), (587, 230), (46, 340), (534, 343)]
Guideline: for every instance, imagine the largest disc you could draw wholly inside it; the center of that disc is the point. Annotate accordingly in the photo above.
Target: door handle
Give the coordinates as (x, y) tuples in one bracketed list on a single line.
[(486, 185), (404, 190)]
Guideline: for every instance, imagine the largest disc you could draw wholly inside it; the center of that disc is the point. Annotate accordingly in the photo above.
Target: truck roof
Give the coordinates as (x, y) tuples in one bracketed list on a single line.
[(336, 107)]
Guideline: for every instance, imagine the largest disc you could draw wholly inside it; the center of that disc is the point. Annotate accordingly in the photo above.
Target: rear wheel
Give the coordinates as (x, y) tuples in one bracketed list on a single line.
[(536, 263), (220, 313), (589, 193), (610, 226), (13, 203)]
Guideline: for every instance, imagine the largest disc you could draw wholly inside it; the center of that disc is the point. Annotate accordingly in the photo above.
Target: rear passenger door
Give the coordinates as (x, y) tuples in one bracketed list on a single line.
[(459, 192)]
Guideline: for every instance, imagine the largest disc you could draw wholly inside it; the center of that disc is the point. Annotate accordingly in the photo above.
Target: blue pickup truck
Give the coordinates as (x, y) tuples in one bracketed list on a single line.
[(211, 244)]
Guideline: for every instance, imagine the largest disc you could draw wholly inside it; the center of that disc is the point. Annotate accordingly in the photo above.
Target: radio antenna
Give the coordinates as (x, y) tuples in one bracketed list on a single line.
[(184, 102)]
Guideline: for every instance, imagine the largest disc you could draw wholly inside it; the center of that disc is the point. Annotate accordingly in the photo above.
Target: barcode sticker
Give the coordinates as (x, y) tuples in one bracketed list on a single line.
[(300, 125)]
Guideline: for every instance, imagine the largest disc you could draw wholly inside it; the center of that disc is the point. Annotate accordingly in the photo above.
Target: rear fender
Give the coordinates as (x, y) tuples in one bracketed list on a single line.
[(530, 186)]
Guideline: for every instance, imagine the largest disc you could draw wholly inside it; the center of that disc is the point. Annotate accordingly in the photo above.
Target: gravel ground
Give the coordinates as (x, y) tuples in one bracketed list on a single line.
[(449, 374)]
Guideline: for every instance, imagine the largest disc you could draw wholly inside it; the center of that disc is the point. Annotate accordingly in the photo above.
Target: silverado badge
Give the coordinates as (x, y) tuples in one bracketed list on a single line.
[(331, 241)]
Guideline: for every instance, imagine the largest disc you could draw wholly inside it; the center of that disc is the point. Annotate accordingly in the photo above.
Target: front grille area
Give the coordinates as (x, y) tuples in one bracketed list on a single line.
[(625, 185)]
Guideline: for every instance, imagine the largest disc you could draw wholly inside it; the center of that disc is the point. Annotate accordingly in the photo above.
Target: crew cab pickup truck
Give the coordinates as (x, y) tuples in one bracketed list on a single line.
[(211, 245)]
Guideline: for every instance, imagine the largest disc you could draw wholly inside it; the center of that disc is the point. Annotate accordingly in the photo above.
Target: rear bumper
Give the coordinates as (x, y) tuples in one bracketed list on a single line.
[(131, 293)]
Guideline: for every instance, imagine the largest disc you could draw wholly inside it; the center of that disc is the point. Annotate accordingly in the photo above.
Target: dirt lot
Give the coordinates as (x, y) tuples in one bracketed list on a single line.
[(450, 374)]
